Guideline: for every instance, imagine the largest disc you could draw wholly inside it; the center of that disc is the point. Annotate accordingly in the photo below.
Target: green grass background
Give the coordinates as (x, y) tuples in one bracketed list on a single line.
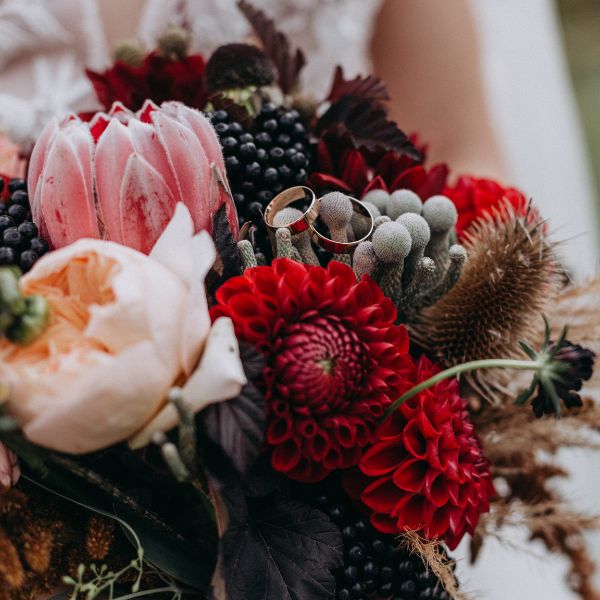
[(581, 28)]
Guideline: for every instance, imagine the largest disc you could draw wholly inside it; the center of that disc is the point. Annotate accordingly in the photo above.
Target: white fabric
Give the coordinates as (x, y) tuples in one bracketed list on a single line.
[(536, 122), (329, 31)]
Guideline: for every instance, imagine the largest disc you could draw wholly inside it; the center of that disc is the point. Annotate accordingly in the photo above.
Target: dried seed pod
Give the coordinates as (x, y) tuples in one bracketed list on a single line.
[(100, 537), (37, 543), (336, 212), (360, 224), (379, 198), (499, 296), (420, 235), (364, 260), (441, 216), (392, 244), (380, 221), (246, 254), (402, 202), (302, 240), (11, 568)]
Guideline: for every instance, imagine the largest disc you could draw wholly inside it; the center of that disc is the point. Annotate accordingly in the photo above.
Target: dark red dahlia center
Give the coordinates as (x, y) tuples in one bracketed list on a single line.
[(320, 365)]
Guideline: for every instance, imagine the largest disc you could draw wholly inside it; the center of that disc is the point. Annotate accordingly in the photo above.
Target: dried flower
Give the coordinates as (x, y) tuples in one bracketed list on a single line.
[(503, 288), (100, 537), (335, 360)]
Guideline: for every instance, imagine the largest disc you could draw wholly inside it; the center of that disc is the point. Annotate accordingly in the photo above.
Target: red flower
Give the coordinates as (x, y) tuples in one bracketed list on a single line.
[(340, 166), (427, 472), (334, 359), (158, 79), (475, 197)]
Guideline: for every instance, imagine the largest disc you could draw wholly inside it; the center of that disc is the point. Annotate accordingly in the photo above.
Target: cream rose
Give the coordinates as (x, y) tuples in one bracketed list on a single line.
[(124, 328)]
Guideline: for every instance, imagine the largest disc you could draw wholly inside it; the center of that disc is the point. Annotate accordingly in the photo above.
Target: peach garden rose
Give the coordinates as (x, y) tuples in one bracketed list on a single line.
[(124, 328)]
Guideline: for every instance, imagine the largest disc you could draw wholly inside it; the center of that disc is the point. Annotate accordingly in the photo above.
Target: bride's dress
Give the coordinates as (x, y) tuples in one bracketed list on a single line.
[(531, 105)]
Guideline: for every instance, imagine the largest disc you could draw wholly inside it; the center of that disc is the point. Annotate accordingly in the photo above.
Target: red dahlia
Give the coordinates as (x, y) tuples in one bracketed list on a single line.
[(475, 197), (158, 78), (334, 359), (356, 171), (426, 472)]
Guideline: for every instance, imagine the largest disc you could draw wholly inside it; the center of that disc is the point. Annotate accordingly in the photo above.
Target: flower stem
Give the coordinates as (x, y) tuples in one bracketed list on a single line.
[(488, 363)]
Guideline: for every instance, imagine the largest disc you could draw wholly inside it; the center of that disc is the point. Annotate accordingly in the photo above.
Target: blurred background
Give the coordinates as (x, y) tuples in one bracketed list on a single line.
[(581, 24)]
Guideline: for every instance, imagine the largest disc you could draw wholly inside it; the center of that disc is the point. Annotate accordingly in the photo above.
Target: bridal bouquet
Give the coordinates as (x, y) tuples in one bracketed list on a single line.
[(254, 346)]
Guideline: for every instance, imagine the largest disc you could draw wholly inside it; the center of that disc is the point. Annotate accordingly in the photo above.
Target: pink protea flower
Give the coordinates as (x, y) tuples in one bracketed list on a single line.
[(120, 175)]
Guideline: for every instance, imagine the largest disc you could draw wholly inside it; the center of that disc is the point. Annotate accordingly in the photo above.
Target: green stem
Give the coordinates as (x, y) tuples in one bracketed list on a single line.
[(488, 363)]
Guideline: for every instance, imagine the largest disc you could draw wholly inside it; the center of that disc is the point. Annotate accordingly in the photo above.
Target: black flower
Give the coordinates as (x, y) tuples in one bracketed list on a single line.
[(564, 367)]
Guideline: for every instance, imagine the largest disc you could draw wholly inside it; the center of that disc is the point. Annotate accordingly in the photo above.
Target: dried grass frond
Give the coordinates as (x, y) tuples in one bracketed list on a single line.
[(432, 554), (12, 573), (498, 299), (558, 526)]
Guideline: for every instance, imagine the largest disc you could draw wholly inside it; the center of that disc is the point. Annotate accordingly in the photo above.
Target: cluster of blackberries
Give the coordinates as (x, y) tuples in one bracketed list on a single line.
[(374, 565), (20, 243), (262, 159)]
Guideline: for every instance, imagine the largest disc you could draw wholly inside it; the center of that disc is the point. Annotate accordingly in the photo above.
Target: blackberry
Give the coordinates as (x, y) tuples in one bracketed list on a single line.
[(262, 159), (20, 242), (374, 566)]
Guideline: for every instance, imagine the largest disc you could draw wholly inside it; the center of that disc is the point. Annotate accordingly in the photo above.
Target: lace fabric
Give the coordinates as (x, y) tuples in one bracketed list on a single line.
[(329, 31)]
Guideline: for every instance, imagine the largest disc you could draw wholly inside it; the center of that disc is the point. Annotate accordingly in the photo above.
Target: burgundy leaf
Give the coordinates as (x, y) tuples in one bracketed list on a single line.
[(368, 125), (237, 426), (361, 87)]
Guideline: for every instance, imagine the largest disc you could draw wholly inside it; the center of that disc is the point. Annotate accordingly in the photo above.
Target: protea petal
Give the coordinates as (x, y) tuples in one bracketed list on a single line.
[(193, 170), (112, 153), (147, 144), (37, 160), (145, 113), (67, 204), (201, 126), (146, 204)]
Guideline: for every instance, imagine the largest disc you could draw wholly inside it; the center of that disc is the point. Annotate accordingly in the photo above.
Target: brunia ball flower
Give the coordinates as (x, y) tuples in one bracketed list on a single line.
[(124, 328), (120, 176), (335, 359)]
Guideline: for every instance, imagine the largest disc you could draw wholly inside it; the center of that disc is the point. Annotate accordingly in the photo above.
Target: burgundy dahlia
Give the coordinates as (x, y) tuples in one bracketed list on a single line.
[(475, 197), (335, 360), (158, 78), (356, 171), (426, 472)]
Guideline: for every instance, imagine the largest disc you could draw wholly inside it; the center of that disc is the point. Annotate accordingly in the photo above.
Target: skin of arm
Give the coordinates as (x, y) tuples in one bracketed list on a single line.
[(426, 52)]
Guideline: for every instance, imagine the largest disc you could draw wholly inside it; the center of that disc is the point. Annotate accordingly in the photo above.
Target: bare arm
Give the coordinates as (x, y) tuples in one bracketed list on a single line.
[(426, 51)]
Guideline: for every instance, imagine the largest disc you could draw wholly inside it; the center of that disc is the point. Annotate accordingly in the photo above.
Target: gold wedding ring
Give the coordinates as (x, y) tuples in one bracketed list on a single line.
[(345, 247), (283, 200)]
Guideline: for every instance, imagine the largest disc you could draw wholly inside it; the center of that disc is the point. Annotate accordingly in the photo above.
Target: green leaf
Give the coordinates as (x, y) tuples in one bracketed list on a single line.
[(528, 350), (175, 557), (526, 394)]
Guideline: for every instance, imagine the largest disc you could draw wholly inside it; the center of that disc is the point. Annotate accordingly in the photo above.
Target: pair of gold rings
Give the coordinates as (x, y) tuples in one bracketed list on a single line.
[(308, 218)]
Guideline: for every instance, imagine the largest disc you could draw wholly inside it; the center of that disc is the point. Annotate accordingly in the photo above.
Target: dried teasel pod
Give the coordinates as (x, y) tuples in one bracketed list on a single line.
[(498, 299)]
